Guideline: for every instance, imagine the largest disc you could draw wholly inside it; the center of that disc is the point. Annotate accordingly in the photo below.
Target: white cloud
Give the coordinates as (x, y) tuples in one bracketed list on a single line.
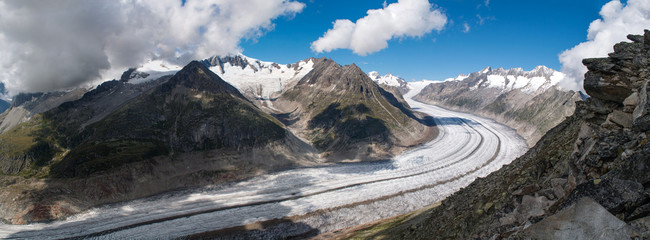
[(466, 28), (406, 18), (48, 45), (617, 21)]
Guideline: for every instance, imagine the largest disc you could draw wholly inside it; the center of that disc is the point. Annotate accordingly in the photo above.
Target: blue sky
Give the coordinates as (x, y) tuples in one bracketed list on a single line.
[(513, 33)]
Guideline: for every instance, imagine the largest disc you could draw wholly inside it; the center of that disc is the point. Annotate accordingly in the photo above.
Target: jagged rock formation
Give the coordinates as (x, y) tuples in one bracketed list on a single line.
[(123, 141), (597, 158), (347, 115), (530, 102)]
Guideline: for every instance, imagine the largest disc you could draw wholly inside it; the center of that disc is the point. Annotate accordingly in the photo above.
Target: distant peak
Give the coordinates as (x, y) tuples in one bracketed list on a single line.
[(540, 67), (486, 70), (195, 65)]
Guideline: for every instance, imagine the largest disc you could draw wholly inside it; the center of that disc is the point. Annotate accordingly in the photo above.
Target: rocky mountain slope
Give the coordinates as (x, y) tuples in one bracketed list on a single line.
[(587, 178), (347, 115), (161, 127), (189, 129), (528, 101), (273, 88), (26, 105)]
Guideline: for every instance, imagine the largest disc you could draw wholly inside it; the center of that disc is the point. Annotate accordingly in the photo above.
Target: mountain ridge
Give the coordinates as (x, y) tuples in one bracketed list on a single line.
[(170, 128), (529, 101)]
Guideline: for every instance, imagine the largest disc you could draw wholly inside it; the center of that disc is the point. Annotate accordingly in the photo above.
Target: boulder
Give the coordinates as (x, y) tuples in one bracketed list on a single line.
[(621, 118), (632, 100), (585, 219)]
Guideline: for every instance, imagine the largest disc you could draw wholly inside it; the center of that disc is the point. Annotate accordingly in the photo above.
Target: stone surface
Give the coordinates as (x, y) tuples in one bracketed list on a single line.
[(621, 118), (632, 100), (585, 219), (642, 226)]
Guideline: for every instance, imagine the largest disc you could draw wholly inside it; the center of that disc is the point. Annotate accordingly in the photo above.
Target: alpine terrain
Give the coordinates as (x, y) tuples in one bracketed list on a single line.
[(587, 178), (529, 101), (163, 127)]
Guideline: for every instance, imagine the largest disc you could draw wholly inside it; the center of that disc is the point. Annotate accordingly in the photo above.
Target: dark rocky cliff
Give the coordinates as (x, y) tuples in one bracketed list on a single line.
[(586, 178)]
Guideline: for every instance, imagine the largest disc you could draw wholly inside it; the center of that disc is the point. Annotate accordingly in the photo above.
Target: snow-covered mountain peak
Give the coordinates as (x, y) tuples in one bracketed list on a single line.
[(460, 77), (388, 79), (150, 70), (374, 75), (256, 79), (541, 77), (259, 79)]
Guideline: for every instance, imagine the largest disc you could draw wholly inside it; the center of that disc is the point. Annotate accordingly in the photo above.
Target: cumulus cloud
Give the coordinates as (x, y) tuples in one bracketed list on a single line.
[(616, 22), (406, 18), (49, 45)]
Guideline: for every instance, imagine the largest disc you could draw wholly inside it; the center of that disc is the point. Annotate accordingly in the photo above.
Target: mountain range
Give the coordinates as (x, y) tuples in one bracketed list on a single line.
[(162, 127), (529, 101)]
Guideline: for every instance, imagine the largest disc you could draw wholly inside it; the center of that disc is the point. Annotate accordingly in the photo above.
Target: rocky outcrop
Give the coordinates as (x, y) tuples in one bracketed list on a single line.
[(584, 219), (528, 101), (587, 177)]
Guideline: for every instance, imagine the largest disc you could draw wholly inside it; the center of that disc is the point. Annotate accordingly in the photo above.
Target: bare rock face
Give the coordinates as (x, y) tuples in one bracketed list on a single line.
[(585, 219), (587, 178)]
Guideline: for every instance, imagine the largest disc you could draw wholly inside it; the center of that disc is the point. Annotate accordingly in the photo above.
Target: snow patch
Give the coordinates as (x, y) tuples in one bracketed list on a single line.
[(496, 81), (153, 70), (529, 82), (262, 79), (388, 79)]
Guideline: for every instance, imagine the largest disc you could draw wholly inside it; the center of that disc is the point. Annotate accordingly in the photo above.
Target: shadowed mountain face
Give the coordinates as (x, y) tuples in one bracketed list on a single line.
[(193, 111), (529, 102), (4, 104), (587, 178), (61, 153), (184, 130), (345, 114)]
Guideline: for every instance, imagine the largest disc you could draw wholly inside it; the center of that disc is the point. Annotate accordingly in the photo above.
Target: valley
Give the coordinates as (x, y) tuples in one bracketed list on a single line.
[(309, 200), (400, 119)]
